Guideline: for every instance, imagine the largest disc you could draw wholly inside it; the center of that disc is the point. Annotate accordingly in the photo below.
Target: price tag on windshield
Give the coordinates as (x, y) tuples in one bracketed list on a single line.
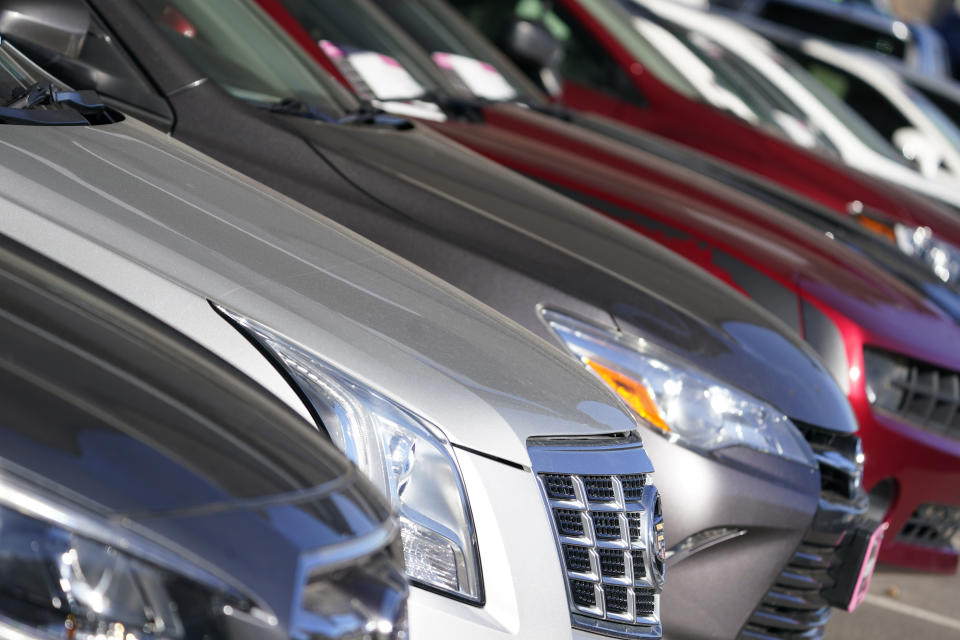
[(481, 78), (384, 76)]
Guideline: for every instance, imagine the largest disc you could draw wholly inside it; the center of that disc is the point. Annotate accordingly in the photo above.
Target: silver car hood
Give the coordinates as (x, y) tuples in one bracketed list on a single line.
[(488, 384)]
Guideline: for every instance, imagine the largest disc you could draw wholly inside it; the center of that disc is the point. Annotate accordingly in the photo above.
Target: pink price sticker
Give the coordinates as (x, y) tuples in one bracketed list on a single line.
[(331, 50), (442, 60), (867, 568)]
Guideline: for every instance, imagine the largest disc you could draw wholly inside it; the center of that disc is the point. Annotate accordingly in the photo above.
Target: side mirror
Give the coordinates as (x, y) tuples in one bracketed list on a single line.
[(919, 150), (55, 26), (532, 43)]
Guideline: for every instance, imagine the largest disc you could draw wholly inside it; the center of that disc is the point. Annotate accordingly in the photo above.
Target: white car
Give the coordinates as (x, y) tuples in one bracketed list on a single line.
[(901, 114), (806, 102)]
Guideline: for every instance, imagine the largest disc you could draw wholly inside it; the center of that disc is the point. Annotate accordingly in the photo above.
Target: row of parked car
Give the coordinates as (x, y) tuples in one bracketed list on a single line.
[(370, 319)]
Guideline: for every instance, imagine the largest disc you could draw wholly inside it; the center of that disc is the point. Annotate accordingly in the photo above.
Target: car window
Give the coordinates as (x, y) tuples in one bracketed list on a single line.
[(29, 95), (238, 47), (852, 120), (104, 65), (830, 28), (442, 32), (585, 62), (949, 107), (376, 58)]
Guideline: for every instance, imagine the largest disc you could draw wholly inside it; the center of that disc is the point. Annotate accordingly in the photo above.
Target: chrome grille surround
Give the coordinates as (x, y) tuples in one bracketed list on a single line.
[(608, 528)]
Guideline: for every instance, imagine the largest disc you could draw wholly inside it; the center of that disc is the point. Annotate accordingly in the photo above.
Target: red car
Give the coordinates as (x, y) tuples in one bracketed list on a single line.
[(849, 309), (610, 69)]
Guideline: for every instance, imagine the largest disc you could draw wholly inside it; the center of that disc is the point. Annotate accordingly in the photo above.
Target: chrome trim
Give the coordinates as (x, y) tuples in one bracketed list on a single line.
[(702, 541)]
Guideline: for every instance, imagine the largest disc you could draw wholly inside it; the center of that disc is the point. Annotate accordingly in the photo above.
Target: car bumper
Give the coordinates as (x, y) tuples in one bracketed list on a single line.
[(924, 469)]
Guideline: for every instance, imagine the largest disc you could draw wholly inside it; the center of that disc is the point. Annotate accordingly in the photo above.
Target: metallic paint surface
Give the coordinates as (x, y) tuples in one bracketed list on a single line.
[(192, 221)]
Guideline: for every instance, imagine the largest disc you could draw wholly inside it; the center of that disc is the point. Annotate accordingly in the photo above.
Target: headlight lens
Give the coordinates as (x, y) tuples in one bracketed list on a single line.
[(69, 576), (686, 405), (406, 457), (919, 242)]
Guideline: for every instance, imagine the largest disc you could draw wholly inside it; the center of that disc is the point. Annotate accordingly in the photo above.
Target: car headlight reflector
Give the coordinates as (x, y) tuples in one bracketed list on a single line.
[(687, 405), (406, 457), (940, 256)]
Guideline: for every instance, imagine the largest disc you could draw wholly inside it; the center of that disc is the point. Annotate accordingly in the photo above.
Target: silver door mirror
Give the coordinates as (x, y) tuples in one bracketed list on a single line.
[(58, 26)]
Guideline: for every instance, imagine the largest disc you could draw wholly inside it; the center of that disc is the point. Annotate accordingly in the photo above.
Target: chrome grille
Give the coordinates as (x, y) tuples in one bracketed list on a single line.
[(609, 531), (840, 457), (795, 606)]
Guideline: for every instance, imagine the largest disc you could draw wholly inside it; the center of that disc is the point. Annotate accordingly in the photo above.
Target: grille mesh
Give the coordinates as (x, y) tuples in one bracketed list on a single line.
[(601, 522)]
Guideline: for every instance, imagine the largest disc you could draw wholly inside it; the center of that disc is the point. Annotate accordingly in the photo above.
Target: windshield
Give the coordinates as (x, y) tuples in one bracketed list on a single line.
[(242, 50), (461, 51), (376, 57), (13, 76)]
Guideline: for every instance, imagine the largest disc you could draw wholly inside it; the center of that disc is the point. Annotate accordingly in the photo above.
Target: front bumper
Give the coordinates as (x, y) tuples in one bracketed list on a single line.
[(921, 470), (832, 565)]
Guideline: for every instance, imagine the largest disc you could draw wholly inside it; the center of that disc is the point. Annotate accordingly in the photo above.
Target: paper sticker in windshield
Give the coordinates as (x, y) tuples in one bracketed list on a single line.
[(481, 78), (379, 75)]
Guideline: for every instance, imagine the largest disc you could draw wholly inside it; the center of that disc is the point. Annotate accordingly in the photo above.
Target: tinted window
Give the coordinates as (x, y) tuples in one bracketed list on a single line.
[(830, 28)]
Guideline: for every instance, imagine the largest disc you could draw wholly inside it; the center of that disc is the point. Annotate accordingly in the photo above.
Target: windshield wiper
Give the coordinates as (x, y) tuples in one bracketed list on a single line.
[(366, 114), (23, 107), (295, 107), (469, 109)]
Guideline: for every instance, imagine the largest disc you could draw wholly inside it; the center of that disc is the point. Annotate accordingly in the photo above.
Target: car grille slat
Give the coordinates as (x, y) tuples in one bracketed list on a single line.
[(931, 398), (933, 525), (609, 531), (794, 607)]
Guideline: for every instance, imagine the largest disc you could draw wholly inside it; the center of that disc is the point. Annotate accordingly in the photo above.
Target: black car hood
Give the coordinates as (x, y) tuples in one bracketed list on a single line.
[(488, 210)]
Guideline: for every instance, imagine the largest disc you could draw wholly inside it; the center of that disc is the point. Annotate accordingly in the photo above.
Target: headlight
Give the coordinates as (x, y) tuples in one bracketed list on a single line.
[(686, 405), (68, 575), (886, 379), (919, 242), (406, 457)]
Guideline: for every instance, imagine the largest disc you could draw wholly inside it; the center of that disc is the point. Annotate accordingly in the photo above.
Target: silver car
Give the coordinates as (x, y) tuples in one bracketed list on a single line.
[(491, 444)]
